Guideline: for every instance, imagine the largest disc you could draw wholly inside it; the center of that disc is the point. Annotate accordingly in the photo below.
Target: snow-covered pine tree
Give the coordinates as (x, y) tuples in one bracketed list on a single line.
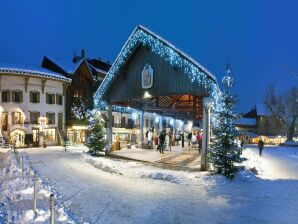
[(225, 152), (95, 139)]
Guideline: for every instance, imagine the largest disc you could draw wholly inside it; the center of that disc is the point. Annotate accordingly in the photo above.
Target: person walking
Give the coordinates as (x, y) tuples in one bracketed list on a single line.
[(261, 147), (200, 138), (189, 136), (167, 141), (161, 142), (150, 137)]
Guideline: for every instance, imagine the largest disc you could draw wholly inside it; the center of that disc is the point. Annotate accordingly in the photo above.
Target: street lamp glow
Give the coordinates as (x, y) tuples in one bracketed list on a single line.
[(147, 94)]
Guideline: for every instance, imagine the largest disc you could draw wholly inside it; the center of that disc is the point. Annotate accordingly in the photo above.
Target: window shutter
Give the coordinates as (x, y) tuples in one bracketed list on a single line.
[(47, 98), (31, 97), (13, 96), (8, 96), (38, 97), (12, 117), (57, 99), (53, 96), (21, 96)]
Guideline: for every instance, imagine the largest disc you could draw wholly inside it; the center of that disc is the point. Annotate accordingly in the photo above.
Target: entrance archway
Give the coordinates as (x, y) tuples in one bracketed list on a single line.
[(17, 136), (151, 75)]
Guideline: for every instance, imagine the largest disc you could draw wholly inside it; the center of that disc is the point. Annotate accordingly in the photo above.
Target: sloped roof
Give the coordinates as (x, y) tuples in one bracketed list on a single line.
[(66, 66), (246, 121), (32, 71), (261, 110), (169, 52)]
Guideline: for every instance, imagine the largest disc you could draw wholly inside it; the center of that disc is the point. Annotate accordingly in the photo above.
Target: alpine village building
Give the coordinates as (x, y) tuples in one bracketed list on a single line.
[(32, 105), (258, 124), (86, 75)]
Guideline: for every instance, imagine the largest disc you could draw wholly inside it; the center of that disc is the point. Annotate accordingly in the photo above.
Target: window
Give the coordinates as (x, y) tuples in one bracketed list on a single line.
[(51, 117), (4, 121), (50, 98), (59, 99), (5, 96), (17, 96), (50, 134), (34, 97), (34, 117), (17, 118)]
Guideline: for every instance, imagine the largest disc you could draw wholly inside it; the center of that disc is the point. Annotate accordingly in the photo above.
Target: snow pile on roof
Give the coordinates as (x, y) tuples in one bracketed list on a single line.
[(32, 71), (17, 198), (246, 121), (261, 110)]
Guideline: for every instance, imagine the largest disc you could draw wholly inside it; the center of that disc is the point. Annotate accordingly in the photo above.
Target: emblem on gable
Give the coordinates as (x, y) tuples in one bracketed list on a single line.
[(147, 76)]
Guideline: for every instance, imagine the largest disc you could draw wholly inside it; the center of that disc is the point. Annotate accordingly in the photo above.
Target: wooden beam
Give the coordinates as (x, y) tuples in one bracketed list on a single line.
[(26, 78), (43, 84), (65, 86)]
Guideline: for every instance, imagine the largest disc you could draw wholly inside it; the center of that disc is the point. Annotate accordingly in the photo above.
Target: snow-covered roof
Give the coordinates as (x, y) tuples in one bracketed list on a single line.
[(261, 110), (31, 71), (169, 52), (64, 65), (179, 51), (246, 121), (97, 69)]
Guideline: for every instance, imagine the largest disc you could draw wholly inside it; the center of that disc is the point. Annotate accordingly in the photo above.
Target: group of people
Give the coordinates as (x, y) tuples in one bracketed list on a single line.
[(160, 142)]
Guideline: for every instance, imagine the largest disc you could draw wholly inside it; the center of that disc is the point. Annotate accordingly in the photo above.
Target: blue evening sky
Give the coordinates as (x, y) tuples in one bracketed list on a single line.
[(259, 37)]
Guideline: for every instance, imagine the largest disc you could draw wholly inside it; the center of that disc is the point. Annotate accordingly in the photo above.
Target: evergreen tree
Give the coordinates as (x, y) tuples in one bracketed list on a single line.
[(225, 152), (95, 139)]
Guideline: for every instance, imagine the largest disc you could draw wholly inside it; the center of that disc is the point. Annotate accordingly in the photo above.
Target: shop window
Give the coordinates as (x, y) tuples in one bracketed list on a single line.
[(4, 121), (17, 96), (50, 98), (59, 99), (34, 117), (50, 134), (51, 117), (5, 95), (17, 118), (146, 123), (34, 97)]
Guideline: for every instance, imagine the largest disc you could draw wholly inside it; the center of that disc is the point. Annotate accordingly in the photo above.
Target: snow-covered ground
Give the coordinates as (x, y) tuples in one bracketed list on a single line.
[(16, 199), (102, 190)]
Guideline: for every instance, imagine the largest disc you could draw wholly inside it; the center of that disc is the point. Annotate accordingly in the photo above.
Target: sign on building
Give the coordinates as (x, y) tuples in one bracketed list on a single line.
[(147, 76)]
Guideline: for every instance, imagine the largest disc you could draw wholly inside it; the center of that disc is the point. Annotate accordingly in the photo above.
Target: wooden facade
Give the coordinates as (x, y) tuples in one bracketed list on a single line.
[(172, 93)]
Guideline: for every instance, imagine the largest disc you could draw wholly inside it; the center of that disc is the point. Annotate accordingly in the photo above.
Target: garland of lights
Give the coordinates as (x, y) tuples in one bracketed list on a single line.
[(195, 73)]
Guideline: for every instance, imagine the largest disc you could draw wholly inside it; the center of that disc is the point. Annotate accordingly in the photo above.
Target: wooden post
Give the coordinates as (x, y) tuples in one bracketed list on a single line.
[(34, 194), (141, 127), (109, 130), (23, 166), (29, 172), (206, 133), (52, 209)]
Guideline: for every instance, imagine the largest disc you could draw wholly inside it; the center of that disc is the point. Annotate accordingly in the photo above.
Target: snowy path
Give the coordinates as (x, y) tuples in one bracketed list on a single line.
[(102, 197)]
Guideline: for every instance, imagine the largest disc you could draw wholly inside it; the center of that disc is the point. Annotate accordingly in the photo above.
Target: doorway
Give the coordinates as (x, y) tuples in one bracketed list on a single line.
[(35, 133)]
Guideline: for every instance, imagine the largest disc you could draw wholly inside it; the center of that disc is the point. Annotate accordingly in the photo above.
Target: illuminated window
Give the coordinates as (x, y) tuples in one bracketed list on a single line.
[(17, 118)]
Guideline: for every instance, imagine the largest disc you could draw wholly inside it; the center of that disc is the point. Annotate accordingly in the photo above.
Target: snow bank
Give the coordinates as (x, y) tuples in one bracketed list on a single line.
[(134, 169), (16, 199), (290, 143)]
